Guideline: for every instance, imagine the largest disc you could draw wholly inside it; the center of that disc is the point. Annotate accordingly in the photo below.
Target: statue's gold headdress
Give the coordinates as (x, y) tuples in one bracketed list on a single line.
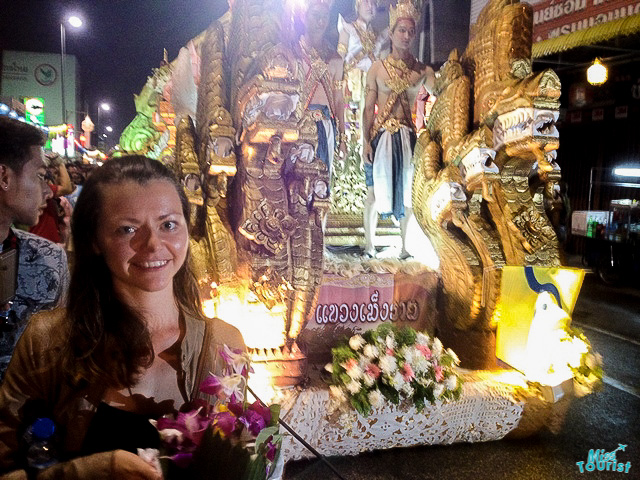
[(404, 9)]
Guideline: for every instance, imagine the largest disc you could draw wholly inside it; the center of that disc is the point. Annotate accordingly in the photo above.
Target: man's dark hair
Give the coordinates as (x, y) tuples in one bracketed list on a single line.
[(16, 139)]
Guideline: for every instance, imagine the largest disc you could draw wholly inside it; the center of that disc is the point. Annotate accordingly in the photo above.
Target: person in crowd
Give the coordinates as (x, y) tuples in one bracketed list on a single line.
[(389, 136), (132, 343), (51, 220), (42, 277), (77, 179)]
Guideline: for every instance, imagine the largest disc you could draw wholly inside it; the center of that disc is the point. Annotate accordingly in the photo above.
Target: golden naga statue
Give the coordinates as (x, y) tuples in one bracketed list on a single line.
[(481, 174), (264, 193)]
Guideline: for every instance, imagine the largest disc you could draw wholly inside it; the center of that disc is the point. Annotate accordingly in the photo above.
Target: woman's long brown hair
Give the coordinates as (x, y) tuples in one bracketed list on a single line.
[(109, 342)]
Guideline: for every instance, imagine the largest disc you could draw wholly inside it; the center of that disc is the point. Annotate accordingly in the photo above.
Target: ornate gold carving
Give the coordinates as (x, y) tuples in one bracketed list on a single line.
[(499, 220), (269, 227)]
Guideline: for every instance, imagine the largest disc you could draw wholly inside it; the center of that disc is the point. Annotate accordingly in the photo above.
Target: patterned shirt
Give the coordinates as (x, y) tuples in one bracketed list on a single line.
[(43, 282)]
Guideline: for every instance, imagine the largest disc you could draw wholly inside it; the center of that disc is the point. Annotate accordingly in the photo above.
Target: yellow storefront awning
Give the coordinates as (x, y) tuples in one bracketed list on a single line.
[(589, 36)]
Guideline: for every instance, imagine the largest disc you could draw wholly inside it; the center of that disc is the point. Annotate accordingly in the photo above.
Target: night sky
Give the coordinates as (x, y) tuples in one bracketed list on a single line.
[(118, 45)]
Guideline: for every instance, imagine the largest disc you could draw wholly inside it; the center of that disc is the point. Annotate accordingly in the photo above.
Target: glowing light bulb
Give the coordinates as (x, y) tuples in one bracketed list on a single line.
[(597, 73)]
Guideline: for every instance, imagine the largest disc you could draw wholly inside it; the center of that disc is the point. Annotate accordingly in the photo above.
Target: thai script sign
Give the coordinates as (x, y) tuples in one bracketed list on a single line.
[(552, 18), (353, 305)]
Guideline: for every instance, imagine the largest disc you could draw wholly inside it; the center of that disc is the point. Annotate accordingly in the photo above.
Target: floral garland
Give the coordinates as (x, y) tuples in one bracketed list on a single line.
[(394, 364), (587, 371)]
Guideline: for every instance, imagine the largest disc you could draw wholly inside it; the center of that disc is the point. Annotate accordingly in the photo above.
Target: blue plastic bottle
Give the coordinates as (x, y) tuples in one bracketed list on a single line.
[(41, 452)]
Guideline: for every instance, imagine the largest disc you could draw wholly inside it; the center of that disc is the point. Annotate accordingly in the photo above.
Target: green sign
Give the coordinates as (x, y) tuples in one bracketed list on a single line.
[(34, 110)]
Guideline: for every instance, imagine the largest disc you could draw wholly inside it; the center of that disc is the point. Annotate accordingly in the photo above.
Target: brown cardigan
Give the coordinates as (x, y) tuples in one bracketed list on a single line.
[(35, 374)]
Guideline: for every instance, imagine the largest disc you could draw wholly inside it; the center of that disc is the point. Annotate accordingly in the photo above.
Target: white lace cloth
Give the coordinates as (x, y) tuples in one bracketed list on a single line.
[(487, 410)]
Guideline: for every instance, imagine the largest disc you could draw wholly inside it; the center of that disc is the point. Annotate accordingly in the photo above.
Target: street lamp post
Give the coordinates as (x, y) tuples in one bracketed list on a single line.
[(76, 22)]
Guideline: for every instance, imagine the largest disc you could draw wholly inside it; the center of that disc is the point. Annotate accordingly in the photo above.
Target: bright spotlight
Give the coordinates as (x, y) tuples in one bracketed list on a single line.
[(105, 106), (108, 129), (75, 21)]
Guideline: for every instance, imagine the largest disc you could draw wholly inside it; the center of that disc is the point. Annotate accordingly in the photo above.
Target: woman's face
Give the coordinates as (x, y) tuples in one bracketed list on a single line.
[(142, 235)]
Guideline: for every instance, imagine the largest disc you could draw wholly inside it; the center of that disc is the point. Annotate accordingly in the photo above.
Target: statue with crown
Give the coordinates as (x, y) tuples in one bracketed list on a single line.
[(472, 345)]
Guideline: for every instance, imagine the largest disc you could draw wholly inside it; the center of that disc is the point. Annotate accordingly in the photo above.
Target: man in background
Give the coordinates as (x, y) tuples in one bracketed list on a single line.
[(35, 274), (50, 223)]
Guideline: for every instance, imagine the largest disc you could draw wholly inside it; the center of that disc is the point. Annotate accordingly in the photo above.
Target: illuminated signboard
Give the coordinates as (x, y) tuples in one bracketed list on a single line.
[(34, 110)]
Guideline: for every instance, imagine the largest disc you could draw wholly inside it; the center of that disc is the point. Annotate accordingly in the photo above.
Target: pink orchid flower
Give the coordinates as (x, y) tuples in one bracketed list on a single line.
[(272, 449), (438, 371), (373, 370), (407, 372), (261, 410), (424, 350)]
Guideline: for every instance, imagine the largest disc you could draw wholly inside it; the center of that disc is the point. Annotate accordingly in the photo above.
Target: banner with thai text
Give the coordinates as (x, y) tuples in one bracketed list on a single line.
[(552, 18), (354, 305)]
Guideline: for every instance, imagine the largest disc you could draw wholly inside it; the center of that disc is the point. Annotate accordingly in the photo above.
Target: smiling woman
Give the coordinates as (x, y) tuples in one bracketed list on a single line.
[(131, 345)]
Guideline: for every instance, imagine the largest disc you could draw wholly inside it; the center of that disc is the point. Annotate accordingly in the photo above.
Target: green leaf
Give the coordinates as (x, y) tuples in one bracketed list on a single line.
[(275, 414), (264, 435)]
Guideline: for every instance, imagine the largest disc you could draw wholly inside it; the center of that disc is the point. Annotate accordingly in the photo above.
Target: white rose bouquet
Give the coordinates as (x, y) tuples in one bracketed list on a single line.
[(394, 364)]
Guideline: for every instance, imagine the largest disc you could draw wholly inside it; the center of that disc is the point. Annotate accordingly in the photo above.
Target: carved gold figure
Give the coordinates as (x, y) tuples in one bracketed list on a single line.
[(481, 173)]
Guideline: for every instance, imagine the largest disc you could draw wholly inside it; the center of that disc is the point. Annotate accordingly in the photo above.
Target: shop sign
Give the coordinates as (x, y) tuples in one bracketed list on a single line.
[(597, 114), (15, 71), (34, 110), (622, 111), (552, 18)]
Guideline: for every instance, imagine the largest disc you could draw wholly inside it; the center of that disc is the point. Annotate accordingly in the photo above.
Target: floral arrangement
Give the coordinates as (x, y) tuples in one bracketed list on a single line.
[(230, 436), (394, 364), (585, 364)]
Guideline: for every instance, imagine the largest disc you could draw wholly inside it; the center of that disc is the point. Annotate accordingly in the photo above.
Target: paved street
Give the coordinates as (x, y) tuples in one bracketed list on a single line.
[(610, 317)]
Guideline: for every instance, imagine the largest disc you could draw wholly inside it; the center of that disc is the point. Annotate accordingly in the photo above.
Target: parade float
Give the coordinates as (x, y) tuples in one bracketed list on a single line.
[(228, 115)]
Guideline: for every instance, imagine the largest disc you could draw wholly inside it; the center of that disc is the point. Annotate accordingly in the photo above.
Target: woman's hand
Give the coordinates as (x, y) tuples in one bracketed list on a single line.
[(127, 465)]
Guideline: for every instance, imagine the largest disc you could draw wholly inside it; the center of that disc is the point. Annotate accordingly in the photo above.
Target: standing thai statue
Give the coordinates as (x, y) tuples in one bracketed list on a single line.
[(359, 45), (484, 164), (323, 70), (390, 136)]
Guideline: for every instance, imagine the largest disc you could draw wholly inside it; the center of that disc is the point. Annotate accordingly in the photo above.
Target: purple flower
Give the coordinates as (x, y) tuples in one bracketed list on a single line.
[(225, 422), (272, 449), (253, 421), (263, 411), (235, 406)]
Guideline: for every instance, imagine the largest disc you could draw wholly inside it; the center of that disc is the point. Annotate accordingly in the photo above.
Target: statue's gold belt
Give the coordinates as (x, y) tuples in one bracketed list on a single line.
[(392, 125)]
